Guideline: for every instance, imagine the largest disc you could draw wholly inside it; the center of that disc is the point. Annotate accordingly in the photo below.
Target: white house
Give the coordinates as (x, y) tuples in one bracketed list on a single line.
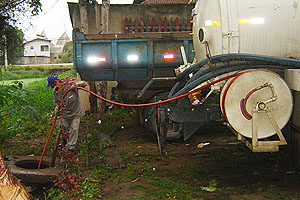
[(37, 47), (36, 51)]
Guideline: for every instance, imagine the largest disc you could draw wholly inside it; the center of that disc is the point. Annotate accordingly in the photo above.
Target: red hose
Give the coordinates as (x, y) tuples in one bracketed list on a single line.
[(160, 102), (243, 104), (131, 105), (47, 142), (54, 121), (225, 93)]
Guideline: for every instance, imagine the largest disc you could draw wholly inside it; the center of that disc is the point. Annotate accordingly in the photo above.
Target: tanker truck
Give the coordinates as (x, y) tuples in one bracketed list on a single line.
[(250, 49), (242, 72)]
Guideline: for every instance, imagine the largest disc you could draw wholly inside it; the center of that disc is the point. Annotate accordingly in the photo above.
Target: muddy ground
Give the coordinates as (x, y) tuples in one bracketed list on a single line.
[(224, 169)]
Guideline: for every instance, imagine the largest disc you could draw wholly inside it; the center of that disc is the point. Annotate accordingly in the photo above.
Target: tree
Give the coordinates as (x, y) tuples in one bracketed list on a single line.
[(66, 56), (11, 37), (11, 8), (14, 39)]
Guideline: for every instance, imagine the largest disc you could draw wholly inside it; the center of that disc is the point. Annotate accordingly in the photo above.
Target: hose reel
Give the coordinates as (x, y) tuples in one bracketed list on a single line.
[(257, 104)]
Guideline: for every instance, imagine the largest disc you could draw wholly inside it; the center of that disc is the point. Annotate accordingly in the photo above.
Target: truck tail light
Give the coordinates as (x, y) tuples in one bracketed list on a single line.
[(132, 58), (169, 56), (96, 59)]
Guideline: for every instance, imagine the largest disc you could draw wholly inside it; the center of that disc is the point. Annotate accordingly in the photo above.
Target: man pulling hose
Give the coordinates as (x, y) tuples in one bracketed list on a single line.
[(69, 107)]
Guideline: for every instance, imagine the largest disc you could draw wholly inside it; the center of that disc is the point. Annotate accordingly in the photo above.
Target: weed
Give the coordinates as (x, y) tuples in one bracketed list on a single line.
[(89, 189), (117, 120), (101, 172), (212, 186), (89, 146), (166, 188), (55, 193)]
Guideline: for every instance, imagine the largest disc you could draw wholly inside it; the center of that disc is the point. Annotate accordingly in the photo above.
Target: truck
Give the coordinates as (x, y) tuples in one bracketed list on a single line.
[(242, 70)]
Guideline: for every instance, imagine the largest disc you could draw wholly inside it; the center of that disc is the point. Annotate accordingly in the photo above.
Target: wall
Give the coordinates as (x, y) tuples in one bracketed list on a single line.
[(32, 60), (36, 51), (117, 14)]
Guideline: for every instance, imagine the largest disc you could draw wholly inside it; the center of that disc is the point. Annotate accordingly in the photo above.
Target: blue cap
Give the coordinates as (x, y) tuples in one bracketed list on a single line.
[(51, 79)]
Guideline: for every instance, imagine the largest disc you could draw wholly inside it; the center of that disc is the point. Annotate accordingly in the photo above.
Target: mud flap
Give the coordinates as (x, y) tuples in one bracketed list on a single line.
[(161, 128)]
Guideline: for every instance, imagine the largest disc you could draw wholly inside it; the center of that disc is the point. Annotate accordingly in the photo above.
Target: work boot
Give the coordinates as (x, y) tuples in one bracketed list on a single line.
[(64, 142), (73, 152)]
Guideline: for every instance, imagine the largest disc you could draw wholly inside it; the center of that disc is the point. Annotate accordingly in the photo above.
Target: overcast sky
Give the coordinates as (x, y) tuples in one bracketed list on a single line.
[(54, 19)]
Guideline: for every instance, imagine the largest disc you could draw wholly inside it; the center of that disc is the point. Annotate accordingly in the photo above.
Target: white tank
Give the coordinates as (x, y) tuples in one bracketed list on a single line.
[(266, 27)]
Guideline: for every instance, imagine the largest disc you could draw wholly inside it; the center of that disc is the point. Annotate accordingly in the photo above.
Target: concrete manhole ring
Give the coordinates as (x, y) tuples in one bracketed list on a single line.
[(25, 168)]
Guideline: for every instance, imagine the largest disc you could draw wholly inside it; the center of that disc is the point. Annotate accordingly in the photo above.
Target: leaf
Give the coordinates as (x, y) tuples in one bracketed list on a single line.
[(209, 189)]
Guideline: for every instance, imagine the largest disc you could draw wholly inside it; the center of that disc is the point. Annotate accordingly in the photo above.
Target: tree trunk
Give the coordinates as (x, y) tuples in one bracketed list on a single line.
[(5, 53)]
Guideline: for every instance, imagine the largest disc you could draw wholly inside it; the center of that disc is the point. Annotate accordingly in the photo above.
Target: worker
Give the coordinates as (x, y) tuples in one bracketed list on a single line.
[(70, 107)]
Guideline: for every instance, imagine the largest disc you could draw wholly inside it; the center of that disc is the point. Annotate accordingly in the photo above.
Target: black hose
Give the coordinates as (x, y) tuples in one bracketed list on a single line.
[(240, 57), (221, 71), (207, 68), (173, 89)]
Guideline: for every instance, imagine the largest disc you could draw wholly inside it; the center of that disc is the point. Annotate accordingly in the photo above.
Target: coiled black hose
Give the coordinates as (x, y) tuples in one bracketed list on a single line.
[(240, 57), (226, 63)]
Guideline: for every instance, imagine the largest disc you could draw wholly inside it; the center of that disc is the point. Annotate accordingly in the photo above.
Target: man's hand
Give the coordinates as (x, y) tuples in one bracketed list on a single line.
[(56, 112), (81, 84)]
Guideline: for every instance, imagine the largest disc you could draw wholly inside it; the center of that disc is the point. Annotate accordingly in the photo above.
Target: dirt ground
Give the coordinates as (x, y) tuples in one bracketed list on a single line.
[(225, 165)]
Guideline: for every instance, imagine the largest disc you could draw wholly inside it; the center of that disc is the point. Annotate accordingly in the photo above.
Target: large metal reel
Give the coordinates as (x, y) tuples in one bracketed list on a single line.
[(242, 87)]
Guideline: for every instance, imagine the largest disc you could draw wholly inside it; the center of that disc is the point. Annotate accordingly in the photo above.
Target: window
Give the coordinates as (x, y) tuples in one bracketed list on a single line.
[(31, 47), (44, 48)]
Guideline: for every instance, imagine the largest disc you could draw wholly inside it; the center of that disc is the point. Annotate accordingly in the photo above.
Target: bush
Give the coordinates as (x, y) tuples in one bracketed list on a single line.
[(23, 110)]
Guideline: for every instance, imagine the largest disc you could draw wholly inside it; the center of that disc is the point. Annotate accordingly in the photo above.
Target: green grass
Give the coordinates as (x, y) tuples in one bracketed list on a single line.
[(26, 82), (117, 120), (25, 72), (28, 125)]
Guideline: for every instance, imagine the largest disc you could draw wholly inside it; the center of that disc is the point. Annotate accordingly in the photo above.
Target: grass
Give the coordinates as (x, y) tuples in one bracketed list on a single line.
[(26, 82), (118, 120), (28, 72), (26, 128)]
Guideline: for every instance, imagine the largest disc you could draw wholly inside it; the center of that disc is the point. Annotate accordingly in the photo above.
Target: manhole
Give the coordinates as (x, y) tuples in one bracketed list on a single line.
[(32, 164), (26, 169)]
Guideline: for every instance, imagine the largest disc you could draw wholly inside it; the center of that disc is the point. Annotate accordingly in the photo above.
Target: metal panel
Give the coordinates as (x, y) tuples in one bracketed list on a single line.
[(269, 27), (148, 55), (292, 78)]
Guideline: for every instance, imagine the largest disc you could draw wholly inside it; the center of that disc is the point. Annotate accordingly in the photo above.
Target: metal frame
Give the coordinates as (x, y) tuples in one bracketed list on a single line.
[(263, 146)]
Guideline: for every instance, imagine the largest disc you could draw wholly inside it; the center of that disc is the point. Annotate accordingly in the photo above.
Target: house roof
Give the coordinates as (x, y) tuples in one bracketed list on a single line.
[(168, 1), (36, 39), (42, 35), (63, 39)]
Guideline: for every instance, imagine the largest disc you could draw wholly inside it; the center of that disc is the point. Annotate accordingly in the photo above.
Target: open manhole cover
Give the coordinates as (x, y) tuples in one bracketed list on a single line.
[(32, 164)]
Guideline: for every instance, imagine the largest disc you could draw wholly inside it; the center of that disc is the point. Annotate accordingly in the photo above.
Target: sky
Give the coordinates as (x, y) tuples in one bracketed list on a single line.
[(54, 19)]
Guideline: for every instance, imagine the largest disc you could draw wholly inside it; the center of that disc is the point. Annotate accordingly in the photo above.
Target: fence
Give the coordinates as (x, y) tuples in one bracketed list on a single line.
[(156, 25)]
